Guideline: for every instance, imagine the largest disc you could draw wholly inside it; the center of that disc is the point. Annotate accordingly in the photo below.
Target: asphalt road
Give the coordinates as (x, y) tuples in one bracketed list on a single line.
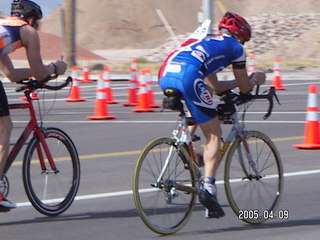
[(108, 149)]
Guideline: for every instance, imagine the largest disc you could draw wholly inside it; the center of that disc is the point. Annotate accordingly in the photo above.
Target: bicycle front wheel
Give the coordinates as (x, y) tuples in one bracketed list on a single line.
[(51, 191), (253, 188), (164, 186)]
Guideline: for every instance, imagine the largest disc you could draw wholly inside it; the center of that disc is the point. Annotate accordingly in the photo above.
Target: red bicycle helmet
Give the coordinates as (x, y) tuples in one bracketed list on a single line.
[(237, 26)]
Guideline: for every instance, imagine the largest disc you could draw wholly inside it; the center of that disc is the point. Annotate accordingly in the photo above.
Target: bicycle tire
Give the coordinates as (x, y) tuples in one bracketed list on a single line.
[(252, 199), (51, 193), (164, 209)]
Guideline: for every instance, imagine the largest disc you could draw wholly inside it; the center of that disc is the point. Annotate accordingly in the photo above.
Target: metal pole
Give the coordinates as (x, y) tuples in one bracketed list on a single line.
[(70, 32), (207, 8), (63, 30)]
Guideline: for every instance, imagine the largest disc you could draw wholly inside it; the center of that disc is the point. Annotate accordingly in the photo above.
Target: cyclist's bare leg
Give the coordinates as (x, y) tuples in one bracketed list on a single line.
[(5, 132), (211, 153)]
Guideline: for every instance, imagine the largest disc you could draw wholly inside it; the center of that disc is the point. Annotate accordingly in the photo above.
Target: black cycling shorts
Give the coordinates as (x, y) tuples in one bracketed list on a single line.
[(4, 108)]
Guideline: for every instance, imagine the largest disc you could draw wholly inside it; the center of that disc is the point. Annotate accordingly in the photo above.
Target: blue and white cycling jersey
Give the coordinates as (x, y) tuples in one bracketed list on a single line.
[(211, 54), (186, 67)]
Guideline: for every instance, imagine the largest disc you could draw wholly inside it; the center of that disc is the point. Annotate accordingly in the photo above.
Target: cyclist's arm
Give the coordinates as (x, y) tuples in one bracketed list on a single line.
[(244, 83), (31, 42), (13, 74), (219, 86)]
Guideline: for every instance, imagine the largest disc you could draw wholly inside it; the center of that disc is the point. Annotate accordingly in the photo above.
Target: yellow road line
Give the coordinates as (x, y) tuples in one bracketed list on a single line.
[(280, 139), (91, 156), (117, 154)]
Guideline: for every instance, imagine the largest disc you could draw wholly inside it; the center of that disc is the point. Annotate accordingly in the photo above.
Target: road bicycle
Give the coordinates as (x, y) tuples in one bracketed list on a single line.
[(167, 175), (51, 167)]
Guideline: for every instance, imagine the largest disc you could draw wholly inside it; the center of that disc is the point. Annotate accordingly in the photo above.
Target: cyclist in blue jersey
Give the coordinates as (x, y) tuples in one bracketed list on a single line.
[(192, 69), (19, 30)]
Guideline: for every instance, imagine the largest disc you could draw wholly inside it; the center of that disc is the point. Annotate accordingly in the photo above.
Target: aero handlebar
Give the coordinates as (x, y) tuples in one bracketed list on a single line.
[(238, 99), (32, 85)]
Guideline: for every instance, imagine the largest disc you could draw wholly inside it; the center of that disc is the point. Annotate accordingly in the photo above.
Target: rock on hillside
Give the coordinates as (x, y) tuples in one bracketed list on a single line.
[(288, 36)]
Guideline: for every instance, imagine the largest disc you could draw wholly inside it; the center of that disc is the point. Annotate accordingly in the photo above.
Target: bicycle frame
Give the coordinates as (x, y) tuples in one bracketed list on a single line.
[(38, 130), (182, 135), (238, 130)]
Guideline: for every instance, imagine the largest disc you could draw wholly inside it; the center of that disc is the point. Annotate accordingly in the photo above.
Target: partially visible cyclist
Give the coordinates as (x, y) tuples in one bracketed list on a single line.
[(192, 69), (20, 30)]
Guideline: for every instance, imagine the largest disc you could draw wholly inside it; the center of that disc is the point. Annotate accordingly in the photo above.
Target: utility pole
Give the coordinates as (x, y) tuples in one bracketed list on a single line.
[(207, 12), (70, 33)]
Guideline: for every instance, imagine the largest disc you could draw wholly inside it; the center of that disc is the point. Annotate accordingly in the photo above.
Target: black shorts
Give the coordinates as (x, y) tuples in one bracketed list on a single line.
[(4, 108)]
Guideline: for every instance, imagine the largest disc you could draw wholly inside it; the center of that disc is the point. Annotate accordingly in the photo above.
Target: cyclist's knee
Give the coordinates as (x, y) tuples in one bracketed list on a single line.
[(211, 129), (5, 126)]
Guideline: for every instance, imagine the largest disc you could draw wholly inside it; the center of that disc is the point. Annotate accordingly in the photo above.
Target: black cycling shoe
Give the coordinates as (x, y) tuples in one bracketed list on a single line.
[(211, 203)]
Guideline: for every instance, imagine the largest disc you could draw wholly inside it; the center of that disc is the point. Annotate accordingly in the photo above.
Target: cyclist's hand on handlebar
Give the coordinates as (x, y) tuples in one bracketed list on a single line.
[(258, 77), (60, 67)]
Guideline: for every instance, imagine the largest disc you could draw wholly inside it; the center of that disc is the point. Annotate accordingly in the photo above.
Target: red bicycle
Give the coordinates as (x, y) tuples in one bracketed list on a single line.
[(51, 166)]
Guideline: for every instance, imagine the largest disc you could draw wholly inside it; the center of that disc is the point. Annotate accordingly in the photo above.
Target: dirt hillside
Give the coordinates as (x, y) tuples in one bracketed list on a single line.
[(52, 49), (122, 24)]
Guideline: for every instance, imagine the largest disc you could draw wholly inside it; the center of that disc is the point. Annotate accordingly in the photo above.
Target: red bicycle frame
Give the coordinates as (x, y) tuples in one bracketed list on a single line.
[(32, 126)]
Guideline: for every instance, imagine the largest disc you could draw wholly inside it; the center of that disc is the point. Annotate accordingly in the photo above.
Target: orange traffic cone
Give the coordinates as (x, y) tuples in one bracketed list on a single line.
[(107, 87), (143, 105), (277, 79), (311, 132), (75, 93), (85, 71), (151, 100), (101, 107), (132, 87)]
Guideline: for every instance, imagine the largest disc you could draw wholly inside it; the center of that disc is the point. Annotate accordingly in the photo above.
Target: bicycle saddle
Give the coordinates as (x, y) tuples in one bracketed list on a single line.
[(172, 92), (173, 99)]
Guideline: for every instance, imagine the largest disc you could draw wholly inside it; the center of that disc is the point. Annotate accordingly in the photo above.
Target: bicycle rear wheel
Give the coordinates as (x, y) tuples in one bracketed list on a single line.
[(51, 191), (165, 203), (252, 196)]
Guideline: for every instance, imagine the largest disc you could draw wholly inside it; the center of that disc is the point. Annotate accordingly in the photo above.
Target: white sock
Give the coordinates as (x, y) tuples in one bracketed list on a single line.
[(211, 188)]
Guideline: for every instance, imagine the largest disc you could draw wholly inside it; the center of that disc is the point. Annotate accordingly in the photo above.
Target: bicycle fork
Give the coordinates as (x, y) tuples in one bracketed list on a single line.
[(42, 147), (238, 131), (249, 157), (168, 185)]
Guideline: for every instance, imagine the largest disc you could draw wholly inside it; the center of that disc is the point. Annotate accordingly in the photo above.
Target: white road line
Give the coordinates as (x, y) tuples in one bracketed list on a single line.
[(129, 192), (155, 121)]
